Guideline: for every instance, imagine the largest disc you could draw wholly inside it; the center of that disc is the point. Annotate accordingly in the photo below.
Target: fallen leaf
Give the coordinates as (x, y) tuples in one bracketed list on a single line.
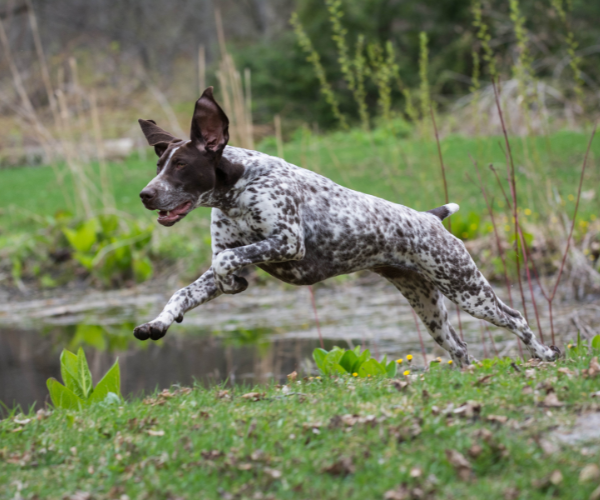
[(593, 369), (273, 473), (527, 390), (292, 376), (595, 494), (155, 433), (460, 464), (498, 419), (416, 472), (400, 493), (223, 395), (548, 447), (483, 380), (254, 396), (475, 450), (244, 466), (512, 493), (595, 394), (565, 371), (211, 455), (469, 409), (341, 467), (551, 401), (400, 385), (556, 478), (530, 373), (590, 472), (22, 422)]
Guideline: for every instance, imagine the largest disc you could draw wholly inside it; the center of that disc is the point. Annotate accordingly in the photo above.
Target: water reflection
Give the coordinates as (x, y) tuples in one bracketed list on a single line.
[(258, 336)]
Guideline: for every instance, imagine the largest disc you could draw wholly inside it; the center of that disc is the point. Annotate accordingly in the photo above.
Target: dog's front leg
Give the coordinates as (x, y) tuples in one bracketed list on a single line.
[(281, 248), (200, 291)]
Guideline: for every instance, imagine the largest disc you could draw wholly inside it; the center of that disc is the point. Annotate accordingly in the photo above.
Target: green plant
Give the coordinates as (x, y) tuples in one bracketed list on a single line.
[(359, 364), (595, 344), (111, 249), (78, 390)]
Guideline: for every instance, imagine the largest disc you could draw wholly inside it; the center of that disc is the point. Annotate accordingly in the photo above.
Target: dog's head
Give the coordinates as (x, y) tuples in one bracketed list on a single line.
[(186, 169)]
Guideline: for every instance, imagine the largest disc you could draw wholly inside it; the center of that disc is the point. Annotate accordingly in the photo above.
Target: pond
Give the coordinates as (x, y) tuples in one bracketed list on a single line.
[(258, 336)]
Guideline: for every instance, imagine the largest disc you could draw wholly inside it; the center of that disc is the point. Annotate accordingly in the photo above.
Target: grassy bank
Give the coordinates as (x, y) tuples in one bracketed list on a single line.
[(485, 433)]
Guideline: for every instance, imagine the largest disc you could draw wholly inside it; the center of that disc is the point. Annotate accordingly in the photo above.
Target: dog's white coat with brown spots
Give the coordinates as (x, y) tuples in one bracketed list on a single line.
[(303, 228)]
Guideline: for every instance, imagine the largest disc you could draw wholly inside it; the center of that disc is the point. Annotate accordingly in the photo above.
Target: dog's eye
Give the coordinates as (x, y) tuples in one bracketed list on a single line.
[(180, 166)]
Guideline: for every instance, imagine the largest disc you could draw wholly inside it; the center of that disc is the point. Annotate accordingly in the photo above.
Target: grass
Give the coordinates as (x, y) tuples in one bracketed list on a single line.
[(317, 438), (403, 170)]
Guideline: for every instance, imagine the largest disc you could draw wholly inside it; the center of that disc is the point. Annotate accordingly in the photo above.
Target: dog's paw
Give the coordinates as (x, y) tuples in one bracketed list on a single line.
[(153, 330), (547, 353), (230, 284)]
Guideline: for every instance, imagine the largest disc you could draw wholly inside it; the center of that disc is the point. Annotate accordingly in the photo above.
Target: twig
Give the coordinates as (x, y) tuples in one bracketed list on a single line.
[(314, 306)]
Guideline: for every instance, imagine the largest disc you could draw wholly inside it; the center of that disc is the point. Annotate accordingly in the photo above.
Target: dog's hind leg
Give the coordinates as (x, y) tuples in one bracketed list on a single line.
[(457, 277), (428, 303), (200, 291)]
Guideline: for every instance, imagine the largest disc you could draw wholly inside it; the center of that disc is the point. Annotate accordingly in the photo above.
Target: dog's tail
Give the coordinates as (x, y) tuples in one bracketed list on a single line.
[(444, 211)]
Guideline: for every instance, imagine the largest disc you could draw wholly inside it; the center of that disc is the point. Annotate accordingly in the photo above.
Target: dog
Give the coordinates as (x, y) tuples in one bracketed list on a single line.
[(303, 228)]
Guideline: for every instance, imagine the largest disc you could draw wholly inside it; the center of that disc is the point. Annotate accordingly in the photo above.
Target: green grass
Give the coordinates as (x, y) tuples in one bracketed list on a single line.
[(405, 171), (199, 445)]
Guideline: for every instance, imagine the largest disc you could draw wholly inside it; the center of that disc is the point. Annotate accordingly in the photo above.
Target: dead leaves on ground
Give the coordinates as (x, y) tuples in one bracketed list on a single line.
[(461, 465), (341, 467), (166, 395)]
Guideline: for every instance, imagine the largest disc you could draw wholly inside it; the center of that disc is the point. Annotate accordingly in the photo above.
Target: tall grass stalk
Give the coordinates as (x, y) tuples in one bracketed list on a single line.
[(383, 67), (312, 56), (484, 37), (572, 45), (360, 95), (424, 92)]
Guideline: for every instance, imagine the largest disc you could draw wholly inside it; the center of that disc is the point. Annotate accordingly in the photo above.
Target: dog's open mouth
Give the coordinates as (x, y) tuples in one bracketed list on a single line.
[(170, 217)]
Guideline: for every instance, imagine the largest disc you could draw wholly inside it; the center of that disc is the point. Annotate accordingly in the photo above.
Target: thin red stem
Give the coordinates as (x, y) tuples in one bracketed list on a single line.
[(314, 306), (420, 336), (564, 258), (485, 351), (439, 148), (491, 338)]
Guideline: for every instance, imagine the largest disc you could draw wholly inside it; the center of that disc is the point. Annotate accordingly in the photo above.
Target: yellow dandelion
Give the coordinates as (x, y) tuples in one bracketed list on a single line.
[(473, 227), (571, 197), (570, 346), (406, 373), (449, 361), (527, 211), (399, 360), (368, 374), (355, 374), (409, 357)]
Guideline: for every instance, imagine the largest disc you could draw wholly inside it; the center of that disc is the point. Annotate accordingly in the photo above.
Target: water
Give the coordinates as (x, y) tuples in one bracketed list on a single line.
[(258, 336)]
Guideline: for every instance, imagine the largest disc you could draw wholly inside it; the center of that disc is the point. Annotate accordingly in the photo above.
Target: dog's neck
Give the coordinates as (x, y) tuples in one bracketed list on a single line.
[(233, 173)]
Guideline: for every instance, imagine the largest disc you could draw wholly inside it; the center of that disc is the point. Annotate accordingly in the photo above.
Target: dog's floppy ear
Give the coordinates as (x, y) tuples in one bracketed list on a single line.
[(156, 136), (210, 125)]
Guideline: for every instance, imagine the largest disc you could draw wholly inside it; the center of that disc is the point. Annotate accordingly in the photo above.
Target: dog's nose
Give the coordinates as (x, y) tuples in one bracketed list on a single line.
[(148, 194)]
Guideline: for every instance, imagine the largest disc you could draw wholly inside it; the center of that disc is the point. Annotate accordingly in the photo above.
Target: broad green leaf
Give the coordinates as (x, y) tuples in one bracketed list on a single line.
[(596, 343), (63, 397), (348, 361), (108, 223), (142, 269), (391, 369), (83, 238), (383, 362), (366, 354), (110, 383), (84, 375), (337, 368), (319, 356), (68, 371), (332, 358), (85, 260), (357, 350), (371, 367)]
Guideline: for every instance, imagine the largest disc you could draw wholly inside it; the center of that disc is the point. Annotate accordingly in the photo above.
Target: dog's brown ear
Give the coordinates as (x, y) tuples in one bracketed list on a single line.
[(210, 125), (156, 136)]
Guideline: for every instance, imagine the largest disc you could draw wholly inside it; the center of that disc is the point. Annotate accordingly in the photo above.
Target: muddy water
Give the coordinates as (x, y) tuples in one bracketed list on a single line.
[(260, 335)]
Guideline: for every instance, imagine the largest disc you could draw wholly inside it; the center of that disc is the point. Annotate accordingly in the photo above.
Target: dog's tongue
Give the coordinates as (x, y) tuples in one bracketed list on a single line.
[(168, 215)]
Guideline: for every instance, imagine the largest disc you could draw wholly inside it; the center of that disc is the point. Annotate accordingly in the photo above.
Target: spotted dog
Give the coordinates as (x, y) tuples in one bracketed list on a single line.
[(303, 228)]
